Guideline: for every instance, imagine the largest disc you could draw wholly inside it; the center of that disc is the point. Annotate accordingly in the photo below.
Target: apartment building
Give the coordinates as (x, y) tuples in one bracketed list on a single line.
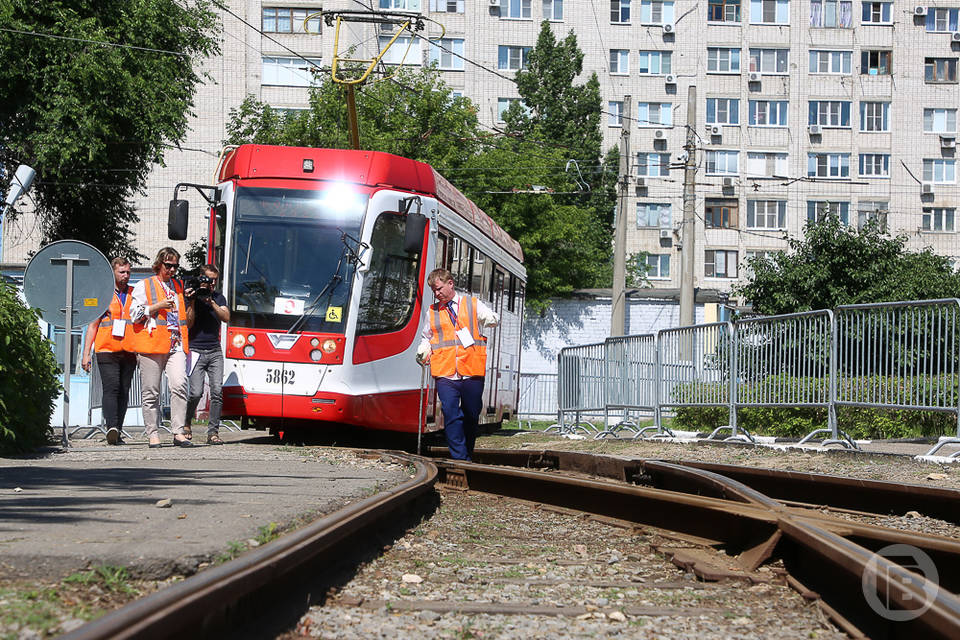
[(802, 107)]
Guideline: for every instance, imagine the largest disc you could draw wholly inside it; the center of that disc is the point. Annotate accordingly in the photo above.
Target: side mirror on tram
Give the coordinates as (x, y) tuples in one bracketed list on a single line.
[(177, 219), (413, 235)]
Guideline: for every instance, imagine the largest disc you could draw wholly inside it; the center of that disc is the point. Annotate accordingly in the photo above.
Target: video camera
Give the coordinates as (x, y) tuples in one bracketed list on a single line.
[(200, 285)]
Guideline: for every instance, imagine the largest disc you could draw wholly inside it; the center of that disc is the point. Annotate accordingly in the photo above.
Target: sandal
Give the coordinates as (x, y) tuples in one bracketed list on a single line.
[(187, 432), (214, 439)]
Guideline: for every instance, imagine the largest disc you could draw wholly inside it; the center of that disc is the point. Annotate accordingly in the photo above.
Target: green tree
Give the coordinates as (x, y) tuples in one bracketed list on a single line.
[(93, 93), (834, 264), (412, 114)]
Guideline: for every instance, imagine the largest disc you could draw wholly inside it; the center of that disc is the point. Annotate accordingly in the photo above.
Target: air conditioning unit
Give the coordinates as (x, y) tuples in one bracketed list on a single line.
[(919, 11), (495, 3), (926, 188), (670, 79), (727, 182), (386, 26), (659, 134), (715, 130), (815, 129), (955, 36), (668, 27), (665, 234), (641, 183), (948, 142), (754, 77)]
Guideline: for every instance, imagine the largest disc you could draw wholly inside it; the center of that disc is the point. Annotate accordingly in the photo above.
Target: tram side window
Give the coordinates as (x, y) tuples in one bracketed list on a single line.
[(460, 264), (442, 259), (512, 293), (390, 286), (498, 290), (476, 275), (521, 289)]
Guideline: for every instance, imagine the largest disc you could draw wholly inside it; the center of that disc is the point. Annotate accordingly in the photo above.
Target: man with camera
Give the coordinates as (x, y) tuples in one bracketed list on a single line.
[(206, 310)]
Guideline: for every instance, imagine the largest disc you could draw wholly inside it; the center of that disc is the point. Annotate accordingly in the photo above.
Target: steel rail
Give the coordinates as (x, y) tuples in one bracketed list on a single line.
[(841, 560), (876, 496), (209, 602)]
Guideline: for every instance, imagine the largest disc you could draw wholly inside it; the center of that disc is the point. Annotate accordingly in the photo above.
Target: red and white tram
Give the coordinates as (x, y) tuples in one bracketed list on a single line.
[(324, 255)]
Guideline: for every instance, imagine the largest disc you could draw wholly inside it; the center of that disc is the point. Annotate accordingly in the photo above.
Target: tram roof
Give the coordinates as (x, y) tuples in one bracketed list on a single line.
[(371, 168)]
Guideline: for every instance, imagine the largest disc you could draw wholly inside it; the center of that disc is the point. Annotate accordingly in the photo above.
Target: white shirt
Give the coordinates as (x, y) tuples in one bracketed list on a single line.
[(485, 317), (138, 307)]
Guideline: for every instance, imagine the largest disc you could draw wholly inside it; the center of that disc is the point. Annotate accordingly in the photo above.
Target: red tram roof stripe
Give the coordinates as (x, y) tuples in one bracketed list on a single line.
[(371, 168)]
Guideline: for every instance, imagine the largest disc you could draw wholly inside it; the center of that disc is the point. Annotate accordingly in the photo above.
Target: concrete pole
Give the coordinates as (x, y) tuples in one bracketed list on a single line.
[(688, 229), (618, 300)]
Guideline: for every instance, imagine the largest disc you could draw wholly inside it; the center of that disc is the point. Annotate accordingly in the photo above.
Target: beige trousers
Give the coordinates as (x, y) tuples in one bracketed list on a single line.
[(152, 368)]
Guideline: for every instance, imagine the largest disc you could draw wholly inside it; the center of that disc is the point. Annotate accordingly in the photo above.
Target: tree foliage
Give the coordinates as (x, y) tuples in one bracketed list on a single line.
[(834, 264), (412, 114), (91, 118)]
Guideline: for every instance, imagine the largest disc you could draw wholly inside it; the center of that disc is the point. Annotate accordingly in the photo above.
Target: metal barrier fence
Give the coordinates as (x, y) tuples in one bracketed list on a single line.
[(537, 396), (902, 355)]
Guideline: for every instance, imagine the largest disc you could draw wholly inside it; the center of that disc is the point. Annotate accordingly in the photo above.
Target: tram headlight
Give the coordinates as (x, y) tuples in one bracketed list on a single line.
[(329, 346), (315, 342), (238, 340), (248, 351), (315, 355), (251, 338)]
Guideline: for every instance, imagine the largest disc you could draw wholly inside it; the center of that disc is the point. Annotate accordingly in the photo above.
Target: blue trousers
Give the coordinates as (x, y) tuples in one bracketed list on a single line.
[(461, 401)]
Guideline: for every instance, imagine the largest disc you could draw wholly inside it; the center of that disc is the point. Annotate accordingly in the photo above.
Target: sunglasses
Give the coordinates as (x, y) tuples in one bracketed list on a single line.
[(171, 265)]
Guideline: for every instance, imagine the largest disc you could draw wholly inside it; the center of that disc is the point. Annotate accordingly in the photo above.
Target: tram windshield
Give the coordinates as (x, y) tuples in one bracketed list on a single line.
[(292, 264)]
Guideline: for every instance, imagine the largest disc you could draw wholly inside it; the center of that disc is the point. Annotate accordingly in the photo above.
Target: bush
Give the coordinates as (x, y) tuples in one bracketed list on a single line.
[(857, 422), (28, 377)]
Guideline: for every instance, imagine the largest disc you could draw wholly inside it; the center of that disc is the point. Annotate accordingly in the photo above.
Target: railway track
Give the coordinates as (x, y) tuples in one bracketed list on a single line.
[(871, 581)]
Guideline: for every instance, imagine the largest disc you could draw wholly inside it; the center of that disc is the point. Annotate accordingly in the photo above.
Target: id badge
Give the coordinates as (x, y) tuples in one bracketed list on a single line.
[(465, 337), (119, 326)]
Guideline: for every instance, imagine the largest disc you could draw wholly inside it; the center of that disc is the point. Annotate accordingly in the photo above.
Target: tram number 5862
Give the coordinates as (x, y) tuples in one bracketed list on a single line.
[(280, 376)]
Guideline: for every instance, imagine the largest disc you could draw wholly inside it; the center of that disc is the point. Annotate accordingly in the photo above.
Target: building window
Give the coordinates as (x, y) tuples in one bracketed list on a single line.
[(750, 254), (875, 63), (446, 6), (766, 163), (816, 210), (939, 120), (940, 70), (517, 9), (404, 50), (400, 5), (828, 165), (723, 111), (553, 10), (512, 58), (723, 60), (829, 113), (721, 214), (874, 211), (654, 114), (620, 11), (288, 20), (723, 11), (769, 60), (619, 62), (830, 61), (720, 263), (654, 63), (767, 113), (654, 214), (876, 13), (939, 219), (656, 11), (940, 170), (447, 53), (874, 116), (723, 162), (615, 113), (769, 11), (875, 165), (653, 165), (831, 14), (941, 19), (658, 266), (767, 214), (289, 72), (502, 105)]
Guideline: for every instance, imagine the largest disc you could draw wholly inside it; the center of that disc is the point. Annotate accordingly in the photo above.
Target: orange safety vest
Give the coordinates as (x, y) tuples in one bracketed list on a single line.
[(447, 355), (105, 340), (158, 340)]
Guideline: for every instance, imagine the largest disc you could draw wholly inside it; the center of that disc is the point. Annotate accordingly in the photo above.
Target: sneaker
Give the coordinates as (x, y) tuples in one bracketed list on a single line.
[(113, 435)]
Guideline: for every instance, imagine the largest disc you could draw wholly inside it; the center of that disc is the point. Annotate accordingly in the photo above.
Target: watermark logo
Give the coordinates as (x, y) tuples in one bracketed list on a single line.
[(892, 583)]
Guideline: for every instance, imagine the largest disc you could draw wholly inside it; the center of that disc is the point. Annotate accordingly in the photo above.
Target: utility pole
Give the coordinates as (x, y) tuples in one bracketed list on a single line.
[(688, 229), (618, 301)]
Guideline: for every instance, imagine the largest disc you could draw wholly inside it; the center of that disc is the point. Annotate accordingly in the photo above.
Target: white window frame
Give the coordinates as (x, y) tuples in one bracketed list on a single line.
[(619, 11), (653, 164), (833, 114), (512, 57), (722, 162), (760, 216), (781, 107), (553, 10), (874, 122), (868, 210), (939, 219), (400, 5), (760, 163), (723, 60), (828, 165), (723, 111), (656, 11), (615, 113), (619, 62), (658, 266), (652, 215), (446, 6), (515, 10), (503, 104), (655, 114), (941, 19), (876, 13), (839, 208), (874, 165), (398, 53), (778, 58), (294, 15), (654, 63), (282, 71), (940, 170), (447, 53), (932, 116), (713, 258), (838, 62), (760, 10), (834, 14)]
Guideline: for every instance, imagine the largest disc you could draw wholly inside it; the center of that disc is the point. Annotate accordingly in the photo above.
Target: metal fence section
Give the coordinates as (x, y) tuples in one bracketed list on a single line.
[(630, 385), (581, 382), (537, 396), (900, 355)]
